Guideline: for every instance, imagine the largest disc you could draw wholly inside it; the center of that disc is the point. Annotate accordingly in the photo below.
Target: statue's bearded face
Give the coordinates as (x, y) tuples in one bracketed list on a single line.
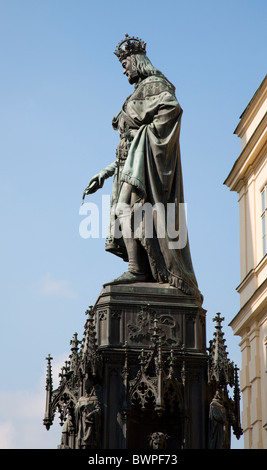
[(129, 69)]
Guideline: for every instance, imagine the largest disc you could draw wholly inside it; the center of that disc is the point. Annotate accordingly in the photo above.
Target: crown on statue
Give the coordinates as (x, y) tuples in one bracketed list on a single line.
[(128, 46)]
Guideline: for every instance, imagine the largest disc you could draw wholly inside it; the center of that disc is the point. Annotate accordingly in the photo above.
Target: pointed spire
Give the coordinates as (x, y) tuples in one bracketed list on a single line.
[(160, 398), (89, 342), (48, 418), (125, 370), (125, 374), (74, 343), (74, 358), (49, 378), (220, 368), (237, 424), (142, 360), (171, 363)]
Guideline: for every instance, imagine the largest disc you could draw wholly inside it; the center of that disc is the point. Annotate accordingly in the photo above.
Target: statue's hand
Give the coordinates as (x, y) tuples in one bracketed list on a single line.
[(95, 183)]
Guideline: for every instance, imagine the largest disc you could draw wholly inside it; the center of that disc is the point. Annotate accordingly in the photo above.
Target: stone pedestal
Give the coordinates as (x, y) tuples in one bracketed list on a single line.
[(141, 377), (152, 341), (119, 316)]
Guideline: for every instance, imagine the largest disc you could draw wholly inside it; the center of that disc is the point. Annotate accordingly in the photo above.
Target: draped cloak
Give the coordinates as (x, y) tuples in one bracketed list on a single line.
[(148, 158)]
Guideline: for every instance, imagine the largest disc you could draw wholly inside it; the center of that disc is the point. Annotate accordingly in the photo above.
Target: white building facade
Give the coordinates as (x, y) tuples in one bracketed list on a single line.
[(248, 178)]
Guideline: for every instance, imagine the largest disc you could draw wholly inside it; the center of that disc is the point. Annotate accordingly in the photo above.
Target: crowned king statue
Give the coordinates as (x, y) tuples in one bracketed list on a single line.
[(148, 184)]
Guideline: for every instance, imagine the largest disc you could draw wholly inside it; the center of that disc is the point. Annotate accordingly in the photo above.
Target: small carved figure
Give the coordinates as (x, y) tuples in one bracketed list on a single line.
[(158, 440), (65, 435), (88, 421), (217, 423)]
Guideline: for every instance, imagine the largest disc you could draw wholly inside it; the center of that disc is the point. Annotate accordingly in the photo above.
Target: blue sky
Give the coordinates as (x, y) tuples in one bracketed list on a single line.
[(61, 85)]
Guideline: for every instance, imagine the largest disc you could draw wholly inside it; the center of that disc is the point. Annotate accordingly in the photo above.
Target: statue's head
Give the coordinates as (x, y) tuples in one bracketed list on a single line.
[(131, 52), (129, 46)]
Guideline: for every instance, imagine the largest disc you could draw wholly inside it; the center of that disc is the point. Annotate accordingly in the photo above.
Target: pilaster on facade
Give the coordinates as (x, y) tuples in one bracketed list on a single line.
[(245, 388), (255, 381)]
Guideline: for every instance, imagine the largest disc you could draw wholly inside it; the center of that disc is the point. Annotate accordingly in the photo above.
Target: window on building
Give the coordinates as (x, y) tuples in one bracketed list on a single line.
[(264, 217)]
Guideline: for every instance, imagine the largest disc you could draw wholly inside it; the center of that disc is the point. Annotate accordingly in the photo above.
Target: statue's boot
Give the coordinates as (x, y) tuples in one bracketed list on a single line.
[(128, 278), (138, 269)]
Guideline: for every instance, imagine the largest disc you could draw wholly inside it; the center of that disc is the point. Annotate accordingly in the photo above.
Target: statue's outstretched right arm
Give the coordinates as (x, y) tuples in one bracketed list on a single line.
[(98, 180)]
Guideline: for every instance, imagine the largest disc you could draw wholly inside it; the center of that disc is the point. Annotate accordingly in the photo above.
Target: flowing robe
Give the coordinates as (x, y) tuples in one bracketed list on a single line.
[(217, 425), (148, 158)]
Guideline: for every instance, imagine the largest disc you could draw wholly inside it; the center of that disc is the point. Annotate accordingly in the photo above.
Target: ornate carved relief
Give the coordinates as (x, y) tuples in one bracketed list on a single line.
[(116, 314), (102, 314), (146, 322)]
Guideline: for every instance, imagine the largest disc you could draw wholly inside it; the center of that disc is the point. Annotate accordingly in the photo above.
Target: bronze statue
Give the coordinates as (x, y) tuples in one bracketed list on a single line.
[(147, 172)]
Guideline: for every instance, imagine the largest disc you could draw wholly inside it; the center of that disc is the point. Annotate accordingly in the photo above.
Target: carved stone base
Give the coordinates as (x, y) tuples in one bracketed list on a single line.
[(141, 377), (153, 346), (127, 313)]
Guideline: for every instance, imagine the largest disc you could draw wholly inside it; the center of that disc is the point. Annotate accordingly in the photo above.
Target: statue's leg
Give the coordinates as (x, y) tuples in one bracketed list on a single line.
[(137, 267), (137, 260)]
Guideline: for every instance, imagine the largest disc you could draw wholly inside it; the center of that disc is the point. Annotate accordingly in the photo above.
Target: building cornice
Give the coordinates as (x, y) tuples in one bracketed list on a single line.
[(252, 273), (252, 108), (248, 157), (250, 310)]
